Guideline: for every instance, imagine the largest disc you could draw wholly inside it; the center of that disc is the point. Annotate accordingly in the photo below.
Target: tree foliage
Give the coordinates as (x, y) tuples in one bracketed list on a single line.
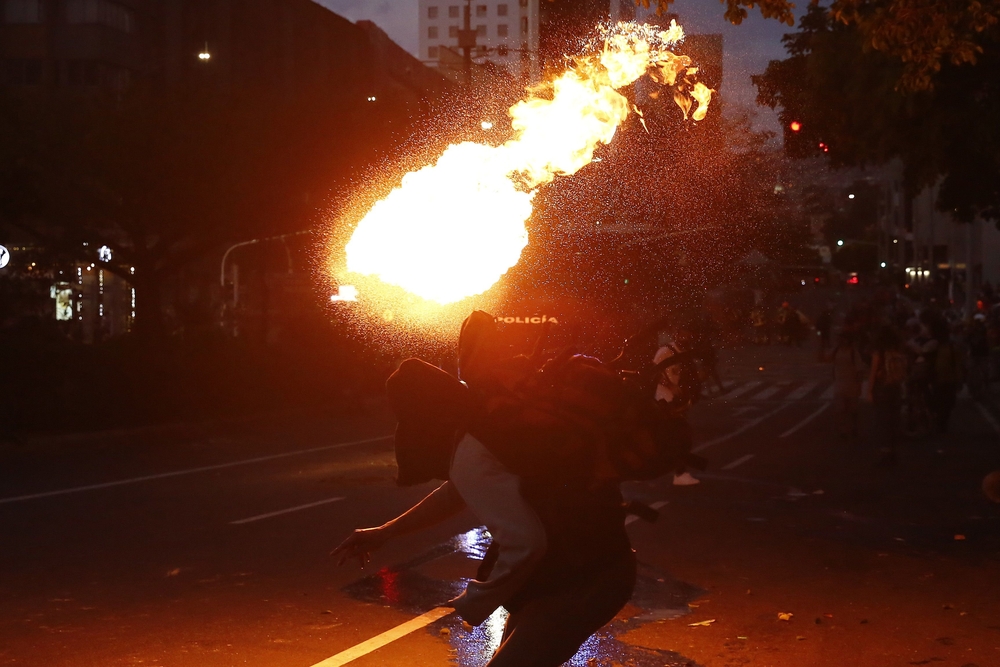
[(922, 35), (845, 97)]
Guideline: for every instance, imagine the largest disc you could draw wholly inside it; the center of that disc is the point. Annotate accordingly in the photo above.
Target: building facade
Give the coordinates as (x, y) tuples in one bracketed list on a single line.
[(74, 44), (312, 62), (506, 32), (929, 245)]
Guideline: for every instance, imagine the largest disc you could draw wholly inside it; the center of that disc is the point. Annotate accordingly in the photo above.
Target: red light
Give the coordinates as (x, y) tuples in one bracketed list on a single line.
[(853, 280), (795, 126)]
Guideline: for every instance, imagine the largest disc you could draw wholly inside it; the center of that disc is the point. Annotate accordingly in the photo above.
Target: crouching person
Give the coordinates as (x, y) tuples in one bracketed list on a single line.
[(560, 562)]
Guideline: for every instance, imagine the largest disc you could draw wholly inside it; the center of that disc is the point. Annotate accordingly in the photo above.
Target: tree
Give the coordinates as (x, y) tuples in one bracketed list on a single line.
[(922, 35), (846, 98)]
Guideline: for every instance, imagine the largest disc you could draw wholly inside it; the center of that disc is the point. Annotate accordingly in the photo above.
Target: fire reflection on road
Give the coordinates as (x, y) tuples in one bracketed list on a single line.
[(657, 597)]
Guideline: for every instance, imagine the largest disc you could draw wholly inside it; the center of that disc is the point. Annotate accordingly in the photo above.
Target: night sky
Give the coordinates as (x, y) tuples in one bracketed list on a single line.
[(748, 47)]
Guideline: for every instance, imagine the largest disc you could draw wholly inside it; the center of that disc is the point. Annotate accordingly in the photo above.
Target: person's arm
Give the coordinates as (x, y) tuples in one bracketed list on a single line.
[(442, 503)]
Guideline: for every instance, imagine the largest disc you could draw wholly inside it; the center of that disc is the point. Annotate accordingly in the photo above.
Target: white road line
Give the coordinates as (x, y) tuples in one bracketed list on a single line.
[(387, 637), (633, 518), (749, 425), (828, 394), (801, 392), (738, 462), (988, 417), (189, 471), (285, 511), (805, 421), (739, 391), (766, 394)]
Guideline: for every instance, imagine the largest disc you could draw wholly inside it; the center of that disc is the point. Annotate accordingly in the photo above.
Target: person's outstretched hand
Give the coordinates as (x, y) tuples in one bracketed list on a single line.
[(360, 544)]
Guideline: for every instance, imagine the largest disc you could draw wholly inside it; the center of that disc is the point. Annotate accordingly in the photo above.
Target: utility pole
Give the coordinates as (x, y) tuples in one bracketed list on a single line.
[(467, 42)]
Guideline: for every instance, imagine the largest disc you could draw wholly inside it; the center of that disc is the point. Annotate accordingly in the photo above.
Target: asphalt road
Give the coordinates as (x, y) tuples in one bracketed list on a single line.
[(208, 545)]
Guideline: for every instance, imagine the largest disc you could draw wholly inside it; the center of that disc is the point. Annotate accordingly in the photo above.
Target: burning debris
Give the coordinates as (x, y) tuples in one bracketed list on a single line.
[(423, 237)]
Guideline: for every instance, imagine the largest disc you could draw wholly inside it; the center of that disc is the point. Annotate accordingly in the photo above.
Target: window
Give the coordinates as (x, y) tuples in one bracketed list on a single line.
[(480, 10), (453, 12), (501, 10), (22, 72), (481, 50), (524, 25), (22, 11), (100, 12), (502, 51), (502, 30), (432, 12), (481, 30), (453, 31), (523, 3), (432, 32), (432, 52)]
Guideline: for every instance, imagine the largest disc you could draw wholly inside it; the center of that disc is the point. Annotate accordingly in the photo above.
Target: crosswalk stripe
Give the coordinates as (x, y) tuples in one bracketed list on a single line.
[(766, 394), (828, 394), (738, 462), (739, 391), (801, 392), (632, 518), (805, 421)]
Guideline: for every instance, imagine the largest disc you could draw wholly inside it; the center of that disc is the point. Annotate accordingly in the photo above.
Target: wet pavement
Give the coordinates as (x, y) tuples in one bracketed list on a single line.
[(210, 546), (657, 597)]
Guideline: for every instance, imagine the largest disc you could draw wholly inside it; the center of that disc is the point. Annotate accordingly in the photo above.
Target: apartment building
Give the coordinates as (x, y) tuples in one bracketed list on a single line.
[(506, 31)]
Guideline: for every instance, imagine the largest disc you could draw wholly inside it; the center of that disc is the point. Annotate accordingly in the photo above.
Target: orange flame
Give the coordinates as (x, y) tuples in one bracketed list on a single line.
[(452, 229)]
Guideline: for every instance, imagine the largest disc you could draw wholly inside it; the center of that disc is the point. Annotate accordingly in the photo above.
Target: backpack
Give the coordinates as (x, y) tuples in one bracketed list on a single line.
[(894, 367), (571, 417)]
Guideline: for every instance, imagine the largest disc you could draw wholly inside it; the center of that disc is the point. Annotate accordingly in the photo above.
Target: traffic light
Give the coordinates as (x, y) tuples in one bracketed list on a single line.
[(797, 142)]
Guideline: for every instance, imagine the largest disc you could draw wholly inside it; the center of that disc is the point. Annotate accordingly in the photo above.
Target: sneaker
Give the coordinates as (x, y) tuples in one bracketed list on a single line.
[(685, 479)]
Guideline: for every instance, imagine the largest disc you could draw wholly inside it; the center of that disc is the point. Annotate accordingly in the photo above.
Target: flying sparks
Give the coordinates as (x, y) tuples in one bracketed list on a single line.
[(452, 229)]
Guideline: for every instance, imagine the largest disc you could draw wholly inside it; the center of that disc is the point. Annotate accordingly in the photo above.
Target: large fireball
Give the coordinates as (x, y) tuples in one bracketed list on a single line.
[(452, 229)]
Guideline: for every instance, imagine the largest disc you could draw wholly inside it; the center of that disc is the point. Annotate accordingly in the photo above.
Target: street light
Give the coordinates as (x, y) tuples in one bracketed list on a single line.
[(840, 242), (883, 265), (850, 196)]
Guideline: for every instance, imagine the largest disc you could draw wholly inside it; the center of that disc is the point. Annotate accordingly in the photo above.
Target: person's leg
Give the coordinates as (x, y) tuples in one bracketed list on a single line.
[(494, 495), (841, 406), (852, 416), (549, 630), (949, 391)]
